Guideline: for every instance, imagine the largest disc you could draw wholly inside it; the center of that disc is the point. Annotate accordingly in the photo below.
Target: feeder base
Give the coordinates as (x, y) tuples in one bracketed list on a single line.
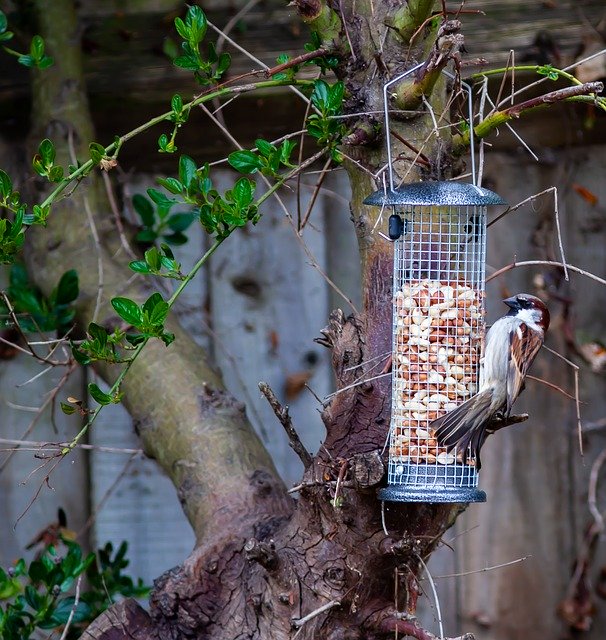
[(407, 493)]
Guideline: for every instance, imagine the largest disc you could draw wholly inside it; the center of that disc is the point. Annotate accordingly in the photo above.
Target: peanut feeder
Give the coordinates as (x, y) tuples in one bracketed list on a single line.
[(439, 234)]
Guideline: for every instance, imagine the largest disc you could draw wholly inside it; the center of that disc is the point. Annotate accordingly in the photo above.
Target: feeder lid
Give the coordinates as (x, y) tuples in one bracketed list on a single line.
[(435, 193)]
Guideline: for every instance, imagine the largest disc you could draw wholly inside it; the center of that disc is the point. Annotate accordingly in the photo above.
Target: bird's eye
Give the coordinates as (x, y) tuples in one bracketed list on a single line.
[(523, 303)]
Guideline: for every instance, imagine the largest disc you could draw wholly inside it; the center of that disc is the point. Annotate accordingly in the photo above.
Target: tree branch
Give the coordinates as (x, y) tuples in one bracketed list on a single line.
[(408, 19), (581, 92), (322, 19), (412, 629), (186, 419), (409, 95)]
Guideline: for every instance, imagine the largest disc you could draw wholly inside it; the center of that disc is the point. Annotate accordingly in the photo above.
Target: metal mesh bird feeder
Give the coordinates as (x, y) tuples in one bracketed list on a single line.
[(439, 234)]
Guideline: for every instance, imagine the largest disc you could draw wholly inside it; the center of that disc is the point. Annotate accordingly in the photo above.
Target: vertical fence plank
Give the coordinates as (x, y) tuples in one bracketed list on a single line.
[(67, 486), (267, 305)]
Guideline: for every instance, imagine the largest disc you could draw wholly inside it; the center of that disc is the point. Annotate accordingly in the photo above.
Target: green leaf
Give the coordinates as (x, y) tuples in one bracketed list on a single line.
[(184, 62), (319, 96), (36, 48), (32, 597), (6, 184), (144, 208), (140, 266), (196, 22), (98, 333), (146, 236), (3, 22), (26, 61), (170, 184), (182, 29), (55, 174), (98, 395), (151, 302), (97, 152), (176, 239), (46, 62), (159, 313), (64, 608), (37, 571), (176, 103), (264, 147), (152, 259), (47, 152), (187, 170), (68, 409), (223, 64), (67, 289), (245, 161), (243, 192), (167, 338), (159, 198), (180, 221), (335, 96), (128, 310)]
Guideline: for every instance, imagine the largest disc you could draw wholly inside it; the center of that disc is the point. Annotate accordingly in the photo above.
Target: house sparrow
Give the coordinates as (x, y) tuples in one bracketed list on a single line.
[(512, 343)]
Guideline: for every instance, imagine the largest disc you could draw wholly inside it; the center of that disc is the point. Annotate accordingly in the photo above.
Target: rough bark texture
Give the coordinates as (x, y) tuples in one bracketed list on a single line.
[(265, 566)]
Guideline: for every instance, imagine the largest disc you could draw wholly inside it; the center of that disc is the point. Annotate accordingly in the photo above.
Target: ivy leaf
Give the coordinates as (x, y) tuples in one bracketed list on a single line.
[(128, 310)]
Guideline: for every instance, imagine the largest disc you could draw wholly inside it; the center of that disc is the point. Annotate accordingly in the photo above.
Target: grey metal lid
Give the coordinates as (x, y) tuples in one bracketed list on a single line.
[(432, 193)]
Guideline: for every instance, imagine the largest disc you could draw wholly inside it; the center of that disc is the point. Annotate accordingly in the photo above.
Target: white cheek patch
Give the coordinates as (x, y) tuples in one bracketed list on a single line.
[(528, 317)]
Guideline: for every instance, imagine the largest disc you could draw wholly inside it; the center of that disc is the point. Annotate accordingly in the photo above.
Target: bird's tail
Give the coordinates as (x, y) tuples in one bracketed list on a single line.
[(463, 427)]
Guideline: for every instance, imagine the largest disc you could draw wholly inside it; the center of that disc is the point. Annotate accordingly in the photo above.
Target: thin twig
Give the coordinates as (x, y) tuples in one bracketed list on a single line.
[(548, 263), (551, 386), (113, 205), (37, 445), (73, 611), (576, 370), (286, 421), (48, 401), (315, 194), (316, 612), (496, 566)]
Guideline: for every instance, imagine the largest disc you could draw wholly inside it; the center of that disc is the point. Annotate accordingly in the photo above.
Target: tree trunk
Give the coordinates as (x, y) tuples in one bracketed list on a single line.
[(327, 565)]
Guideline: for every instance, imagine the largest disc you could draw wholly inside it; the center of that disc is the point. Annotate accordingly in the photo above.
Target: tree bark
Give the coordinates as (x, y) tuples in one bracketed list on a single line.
[(326, 566)]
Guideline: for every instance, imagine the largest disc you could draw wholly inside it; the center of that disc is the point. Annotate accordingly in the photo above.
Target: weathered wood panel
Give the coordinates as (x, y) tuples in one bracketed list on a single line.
[(532, 472), (68, 485), (267, 305)]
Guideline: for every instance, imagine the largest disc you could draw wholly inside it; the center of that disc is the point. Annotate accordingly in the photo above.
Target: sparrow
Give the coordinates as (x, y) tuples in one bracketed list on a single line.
[(512, 343)]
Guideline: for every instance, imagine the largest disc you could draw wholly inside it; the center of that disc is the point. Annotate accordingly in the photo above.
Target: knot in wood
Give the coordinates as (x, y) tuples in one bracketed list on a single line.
[(335, 576), (263, 553)]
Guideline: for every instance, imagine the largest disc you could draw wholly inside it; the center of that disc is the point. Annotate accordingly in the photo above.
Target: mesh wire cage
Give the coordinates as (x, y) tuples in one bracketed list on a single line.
[(439, 234)]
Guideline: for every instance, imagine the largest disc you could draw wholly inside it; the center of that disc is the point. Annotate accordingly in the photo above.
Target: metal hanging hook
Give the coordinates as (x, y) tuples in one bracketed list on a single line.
[(464, 86)]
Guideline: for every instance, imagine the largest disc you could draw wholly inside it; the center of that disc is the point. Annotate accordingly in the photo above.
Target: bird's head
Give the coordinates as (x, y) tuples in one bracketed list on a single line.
[(529, 309)]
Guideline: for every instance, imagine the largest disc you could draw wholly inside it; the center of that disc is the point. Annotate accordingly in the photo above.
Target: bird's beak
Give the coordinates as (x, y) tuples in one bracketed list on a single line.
[(512, 302)]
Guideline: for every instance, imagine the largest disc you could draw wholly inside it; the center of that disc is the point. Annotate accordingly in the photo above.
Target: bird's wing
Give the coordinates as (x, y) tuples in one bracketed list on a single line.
[(524, 345)]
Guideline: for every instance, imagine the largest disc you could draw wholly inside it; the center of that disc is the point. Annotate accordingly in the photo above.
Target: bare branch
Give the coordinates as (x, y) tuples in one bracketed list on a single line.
[(285, 420), (498, 118)]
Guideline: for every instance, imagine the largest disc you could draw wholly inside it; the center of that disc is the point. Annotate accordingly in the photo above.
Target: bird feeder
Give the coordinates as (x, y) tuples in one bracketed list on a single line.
[(439, 235)]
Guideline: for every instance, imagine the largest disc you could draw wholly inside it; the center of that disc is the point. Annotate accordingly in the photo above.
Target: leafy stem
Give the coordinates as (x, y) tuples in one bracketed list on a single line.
[(220, 238), (85, 168)]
